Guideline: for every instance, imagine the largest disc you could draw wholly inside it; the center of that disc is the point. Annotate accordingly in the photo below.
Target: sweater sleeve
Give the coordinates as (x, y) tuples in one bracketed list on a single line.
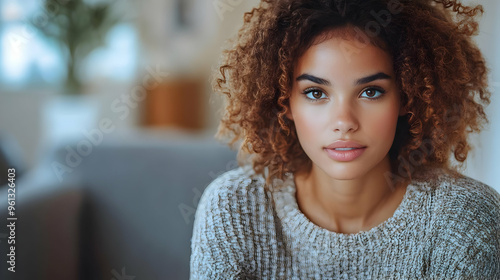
[(215, 250), (467, 233)]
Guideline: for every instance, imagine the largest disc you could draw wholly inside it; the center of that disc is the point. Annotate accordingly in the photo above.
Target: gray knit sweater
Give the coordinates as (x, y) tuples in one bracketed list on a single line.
[(444, 228)]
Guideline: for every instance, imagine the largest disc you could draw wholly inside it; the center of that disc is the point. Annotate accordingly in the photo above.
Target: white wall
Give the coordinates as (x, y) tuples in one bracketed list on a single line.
[(482, 164)]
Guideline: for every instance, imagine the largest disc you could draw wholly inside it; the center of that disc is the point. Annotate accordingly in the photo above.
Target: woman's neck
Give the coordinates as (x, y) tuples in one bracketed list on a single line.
[(348, 206)]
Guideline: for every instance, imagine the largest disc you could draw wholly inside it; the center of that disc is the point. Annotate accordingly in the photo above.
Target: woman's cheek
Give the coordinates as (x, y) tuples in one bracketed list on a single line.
[(383, 123), (308, 125), (303, 124)]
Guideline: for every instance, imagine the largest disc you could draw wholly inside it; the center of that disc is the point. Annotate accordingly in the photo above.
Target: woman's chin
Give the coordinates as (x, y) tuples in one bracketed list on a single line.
[(344, 172)]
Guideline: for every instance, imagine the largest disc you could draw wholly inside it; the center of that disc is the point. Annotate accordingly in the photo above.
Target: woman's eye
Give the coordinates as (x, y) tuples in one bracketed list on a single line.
[(315, 94), (372, 93)]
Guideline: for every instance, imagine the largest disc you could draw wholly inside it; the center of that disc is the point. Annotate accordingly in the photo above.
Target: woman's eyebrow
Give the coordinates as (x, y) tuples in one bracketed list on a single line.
[(371, 78), (313, 79), (364, 80)]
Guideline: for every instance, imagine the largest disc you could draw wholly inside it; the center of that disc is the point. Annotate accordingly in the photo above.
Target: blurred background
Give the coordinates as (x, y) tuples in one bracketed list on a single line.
[(143, 65), (107, 115)]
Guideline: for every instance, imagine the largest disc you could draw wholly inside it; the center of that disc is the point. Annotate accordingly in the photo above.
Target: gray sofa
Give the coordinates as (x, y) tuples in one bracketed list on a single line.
[(125, 211)]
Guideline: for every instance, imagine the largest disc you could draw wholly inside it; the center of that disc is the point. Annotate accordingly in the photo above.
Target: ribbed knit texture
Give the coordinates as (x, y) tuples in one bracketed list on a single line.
[(444, 228)]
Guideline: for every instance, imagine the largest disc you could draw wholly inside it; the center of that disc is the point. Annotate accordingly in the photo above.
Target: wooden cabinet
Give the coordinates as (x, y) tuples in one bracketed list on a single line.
[(177, 103)]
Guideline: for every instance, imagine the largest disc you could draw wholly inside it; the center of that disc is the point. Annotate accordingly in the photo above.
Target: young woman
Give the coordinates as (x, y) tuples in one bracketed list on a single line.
[(348, 114)]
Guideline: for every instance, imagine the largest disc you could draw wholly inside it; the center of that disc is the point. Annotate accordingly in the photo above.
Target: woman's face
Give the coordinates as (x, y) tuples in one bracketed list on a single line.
[(343, 91)]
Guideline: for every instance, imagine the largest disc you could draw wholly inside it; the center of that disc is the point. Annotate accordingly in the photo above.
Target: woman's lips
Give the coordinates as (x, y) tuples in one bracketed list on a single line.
[(345, 154), (344, 144)]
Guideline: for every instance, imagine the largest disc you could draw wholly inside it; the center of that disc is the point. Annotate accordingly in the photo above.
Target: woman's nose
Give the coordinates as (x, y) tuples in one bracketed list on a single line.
[(344, 118)]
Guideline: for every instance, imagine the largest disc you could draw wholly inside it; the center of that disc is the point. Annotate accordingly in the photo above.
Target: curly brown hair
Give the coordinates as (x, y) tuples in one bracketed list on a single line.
[(440, 71)]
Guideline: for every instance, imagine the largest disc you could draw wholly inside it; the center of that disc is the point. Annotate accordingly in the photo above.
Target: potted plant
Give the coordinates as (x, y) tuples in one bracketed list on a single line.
[(78, 27)]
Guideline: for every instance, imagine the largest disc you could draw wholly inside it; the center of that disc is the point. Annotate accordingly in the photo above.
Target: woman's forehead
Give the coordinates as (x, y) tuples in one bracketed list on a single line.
[(338, 57)]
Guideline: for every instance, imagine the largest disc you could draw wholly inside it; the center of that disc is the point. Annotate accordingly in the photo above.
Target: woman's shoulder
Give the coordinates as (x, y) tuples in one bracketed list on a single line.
[(235, 182), (448, 186), (224, 219), (454, 190), (234, 190), (463, 220), (460, 201)]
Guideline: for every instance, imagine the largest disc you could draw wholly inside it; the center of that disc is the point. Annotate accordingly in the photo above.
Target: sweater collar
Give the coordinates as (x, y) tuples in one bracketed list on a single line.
[(295, 223)]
